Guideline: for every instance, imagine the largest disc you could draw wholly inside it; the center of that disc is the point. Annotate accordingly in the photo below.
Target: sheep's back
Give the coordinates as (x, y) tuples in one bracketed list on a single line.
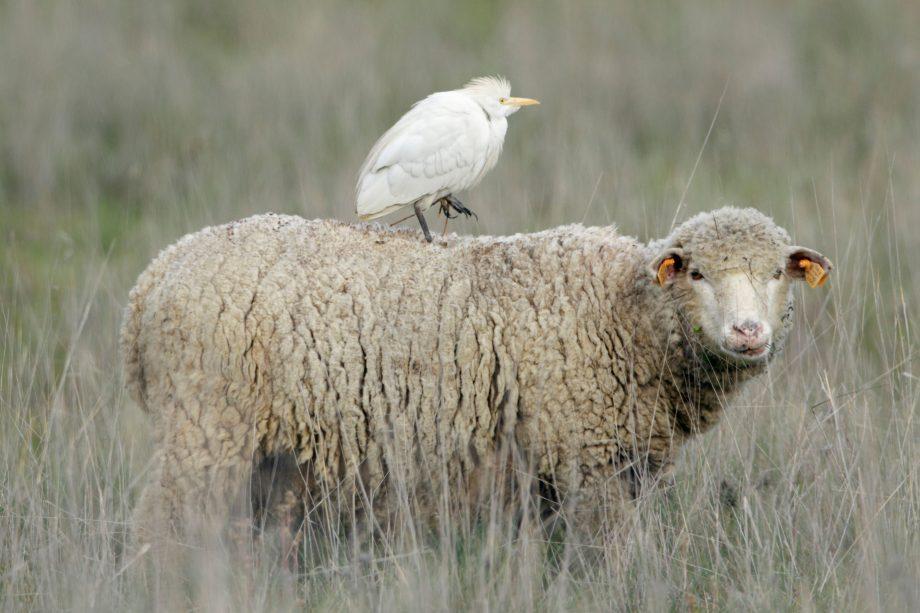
[(314, 331)]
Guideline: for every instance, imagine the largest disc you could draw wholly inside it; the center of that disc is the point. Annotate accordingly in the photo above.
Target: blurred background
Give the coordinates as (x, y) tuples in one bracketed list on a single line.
[(124, 125)]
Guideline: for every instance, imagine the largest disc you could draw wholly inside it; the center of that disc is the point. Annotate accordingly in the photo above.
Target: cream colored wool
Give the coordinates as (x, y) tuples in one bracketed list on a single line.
[(367, 353)]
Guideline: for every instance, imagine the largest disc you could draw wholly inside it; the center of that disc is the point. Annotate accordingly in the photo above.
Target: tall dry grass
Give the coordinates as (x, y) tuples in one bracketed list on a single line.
[(125, 124)]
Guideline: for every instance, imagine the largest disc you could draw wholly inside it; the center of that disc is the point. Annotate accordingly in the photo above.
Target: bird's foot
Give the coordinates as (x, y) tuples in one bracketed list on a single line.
[(449, 203), (445, 210)]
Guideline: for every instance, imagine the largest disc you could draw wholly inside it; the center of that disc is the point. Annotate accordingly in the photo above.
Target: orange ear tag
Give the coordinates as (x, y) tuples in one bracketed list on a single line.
[(815, 275), (663, 270)]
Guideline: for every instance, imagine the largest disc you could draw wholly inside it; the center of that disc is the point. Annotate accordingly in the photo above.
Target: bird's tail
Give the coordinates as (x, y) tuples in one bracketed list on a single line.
[(386, 211), (374, 198)]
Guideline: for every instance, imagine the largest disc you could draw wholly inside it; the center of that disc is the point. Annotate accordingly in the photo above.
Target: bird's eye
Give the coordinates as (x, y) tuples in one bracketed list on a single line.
[(778, 273), (696, 275), (502, 100)]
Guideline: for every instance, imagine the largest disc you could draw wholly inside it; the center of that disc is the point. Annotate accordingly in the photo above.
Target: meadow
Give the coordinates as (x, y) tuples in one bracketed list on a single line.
[(124, 125)]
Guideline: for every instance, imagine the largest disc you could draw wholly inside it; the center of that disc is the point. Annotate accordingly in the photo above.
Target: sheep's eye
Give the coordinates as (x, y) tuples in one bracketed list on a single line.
[(778, 273), (696, 275)]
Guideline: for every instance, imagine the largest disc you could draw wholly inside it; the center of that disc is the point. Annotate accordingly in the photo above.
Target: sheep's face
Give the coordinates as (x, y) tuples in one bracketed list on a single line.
[(730, 273)]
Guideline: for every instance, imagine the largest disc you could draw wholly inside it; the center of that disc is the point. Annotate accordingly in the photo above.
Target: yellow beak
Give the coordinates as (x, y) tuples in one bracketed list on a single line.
[(520, 101)]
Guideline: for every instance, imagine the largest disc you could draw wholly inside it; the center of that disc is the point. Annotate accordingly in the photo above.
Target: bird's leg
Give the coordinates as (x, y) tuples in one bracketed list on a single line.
[(446, 220), (445, 208), (399, 221), (452, 202), (422, 222)]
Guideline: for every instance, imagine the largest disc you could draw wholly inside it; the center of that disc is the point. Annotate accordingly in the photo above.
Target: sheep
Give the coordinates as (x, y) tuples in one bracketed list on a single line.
[(361, 353)]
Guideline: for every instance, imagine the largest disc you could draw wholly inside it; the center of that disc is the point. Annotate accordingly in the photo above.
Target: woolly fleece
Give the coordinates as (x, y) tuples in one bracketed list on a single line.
[(366, 353)]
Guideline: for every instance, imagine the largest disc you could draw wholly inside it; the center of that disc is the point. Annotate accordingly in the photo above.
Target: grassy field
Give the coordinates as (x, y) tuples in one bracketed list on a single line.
[(124, 125)]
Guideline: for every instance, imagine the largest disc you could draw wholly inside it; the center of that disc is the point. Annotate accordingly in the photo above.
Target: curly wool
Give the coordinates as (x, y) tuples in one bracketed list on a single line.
[(366, 353)]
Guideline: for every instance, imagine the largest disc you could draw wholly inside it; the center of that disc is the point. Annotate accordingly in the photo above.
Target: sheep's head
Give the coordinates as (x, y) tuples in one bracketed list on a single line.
[(729, 273)]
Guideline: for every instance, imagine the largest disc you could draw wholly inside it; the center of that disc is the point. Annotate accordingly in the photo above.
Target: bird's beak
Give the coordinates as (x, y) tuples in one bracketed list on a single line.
[(520, 101)]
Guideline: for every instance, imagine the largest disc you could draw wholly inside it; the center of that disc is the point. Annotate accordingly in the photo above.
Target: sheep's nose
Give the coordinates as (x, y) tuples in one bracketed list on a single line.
[(748, 329), (749, 337)]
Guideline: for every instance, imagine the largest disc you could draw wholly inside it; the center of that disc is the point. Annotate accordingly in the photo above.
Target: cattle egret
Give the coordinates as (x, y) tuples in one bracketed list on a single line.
[(445, 144)]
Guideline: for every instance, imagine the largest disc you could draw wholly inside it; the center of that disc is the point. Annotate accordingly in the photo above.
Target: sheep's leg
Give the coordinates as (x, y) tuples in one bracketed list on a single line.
[(193, 490), (422, 222), (182, 496), (182, 509), (155, 543), (279, 487), (593, 501)]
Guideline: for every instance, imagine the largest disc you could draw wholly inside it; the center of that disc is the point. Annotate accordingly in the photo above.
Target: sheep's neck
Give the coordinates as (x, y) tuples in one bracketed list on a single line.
[(603, 366), (665, 370), (704, 383)]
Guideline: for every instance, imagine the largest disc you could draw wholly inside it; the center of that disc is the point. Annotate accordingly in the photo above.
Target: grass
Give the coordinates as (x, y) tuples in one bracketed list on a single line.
[(124, 125)]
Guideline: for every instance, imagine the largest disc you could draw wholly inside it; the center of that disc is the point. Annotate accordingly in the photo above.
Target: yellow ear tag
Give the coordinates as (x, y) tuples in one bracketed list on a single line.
[(815, 275), (663, 270)]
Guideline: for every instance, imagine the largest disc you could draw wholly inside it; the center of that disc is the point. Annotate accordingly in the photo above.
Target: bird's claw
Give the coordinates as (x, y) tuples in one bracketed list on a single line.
[(449, 203), (445, 209)]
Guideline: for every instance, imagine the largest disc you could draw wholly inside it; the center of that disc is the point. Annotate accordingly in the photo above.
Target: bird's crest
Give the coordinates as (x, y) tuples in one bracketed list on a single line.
[(496, 85)]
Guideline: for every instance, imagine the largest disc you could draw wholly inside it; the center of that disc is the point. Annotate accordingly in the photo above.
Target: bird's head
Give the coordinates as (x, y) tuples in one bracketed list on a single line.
[(493, 94)]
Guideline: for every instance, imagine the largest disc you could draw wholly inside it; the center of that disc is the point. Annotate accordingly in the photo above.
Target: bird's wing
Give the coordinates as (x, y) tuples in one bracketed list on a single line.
[(432, 148)]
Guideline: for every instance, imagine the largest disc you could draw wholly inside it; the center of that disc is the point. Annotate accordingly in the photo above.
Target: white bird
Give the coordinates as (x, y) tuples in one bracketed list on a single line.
[(445, 144)]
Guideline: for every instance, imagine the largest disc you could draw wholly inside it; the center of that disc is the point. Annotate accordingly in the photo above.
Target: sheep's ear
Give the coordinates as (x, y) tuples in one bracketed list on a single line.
[(666, 265), (808, 264)]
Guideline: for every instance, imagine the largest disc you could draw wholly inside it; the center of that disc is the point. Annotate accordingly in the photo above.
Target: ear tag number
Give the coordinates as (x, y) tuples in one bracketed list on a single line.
[(663, 269), (815, 274)]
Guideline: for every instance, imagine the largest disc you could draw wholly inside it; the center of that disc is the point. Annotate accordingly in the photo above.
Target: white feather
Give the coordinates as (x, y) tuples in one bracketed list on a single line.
[(445, 144)]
